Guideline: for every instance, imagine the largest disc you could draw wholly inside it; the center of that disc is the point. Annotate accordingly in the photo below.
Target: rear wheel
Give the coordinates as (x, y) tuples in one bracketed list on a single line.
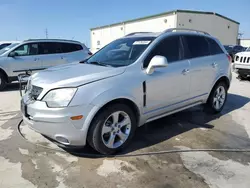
[(112, 129), (3, 81), (217, 98)]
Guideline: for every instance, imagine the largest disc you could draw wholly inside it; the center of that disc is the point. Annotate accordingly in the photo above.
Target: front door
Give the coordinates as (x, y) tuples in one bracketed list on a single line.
[(167, 88), (26, 58)]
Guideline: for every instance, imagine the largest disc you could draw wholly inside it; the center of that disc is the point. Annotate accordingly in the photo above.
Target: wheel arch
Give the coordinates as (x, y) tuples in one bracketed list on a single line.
[(4, 74), (224, 79)]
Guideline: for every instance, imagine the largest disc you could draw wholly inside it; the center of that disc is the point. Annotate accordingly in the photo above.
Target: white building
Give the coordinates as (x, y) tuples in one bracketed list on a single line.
[(245, 42), (225, 29)]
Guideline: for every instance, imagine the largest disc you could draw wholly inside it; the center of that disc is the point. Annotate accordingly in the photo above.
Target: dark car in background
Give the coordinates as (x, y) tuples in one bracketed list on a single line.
[(234, 49), (4, 45)]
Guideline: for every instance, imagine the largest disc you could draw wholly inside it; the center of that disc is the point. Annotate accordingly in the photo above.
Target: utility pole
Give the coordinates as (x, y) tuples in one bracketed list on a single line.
[(46, 33)]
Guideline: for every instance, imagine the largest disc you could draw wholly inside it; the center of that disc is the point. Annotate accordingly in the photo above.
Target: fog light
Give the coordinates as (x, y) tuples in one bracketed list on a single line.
[(76, 117), (62, 140)]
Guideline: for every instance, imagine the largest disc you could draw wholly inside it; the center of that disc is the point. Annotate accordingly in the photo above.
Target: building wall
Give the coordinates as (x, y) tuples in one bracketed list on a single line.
[(225, 30), (107, 34), (245, 42)]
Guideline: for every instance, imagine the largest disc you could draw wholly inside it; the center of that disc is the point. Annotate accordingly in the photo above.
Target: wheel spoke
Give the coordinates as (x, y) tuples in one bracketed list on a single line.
[(122, 136), (106, 129), (125, 122), (110, 142), (217, 105), (115, 117)]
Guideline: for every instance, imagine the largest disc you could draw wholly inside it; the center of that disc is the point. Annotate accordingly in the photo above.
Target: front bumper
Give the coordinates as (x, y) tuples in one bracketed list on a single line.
[(56, 124), (242, 69)]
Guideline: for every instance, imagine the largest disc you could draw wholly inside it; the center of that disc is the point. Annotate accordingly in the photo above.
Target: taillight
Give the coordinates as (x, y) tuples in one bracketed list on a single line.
[(229, 58)]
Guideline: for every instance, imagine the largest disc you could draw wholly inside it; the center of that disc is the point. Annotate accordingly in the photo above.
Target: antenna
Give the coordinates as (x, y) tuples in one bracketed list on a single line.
[(46, 33)]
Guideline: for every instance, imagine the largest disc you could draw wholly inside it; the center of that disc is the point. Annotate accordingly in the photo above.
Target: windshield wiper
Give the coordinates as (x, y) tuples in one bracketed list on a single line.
[(98, 63)]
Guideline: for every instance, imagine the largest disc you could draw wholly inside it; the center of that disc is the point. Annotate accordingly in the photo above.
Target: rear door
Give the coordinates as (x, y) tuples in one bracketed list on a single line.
[(51, 54), (203, 66), (26, 58)]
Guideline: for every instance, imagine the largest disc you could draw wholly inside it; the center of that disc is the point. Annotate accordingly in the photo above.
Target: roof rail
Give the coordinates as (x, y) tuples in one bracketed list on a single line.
[(130, 34), (66, 40), (184, 29)]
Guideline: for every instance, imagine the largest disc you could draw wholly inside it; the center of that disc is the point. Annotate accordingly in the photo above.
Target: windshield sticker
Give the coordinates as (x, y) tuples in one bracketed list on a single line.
[(142, 42)]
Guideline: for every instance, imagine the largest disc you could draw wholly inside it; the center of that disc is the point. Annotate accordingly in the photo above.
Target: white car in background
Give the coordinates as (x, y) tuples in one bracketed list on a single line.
[(242, 64), (38, 54)]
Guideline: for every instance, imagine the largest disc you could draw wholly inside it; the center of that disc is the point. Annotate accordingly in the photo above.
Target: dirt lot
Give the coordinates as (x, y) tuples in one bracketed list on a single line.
[(24, 164)]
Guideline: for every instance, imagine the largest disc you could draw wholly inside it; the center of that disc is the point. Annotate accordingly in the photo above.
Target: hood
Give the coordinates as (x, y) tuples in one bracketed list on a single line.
[(73, 75), (246, 54)]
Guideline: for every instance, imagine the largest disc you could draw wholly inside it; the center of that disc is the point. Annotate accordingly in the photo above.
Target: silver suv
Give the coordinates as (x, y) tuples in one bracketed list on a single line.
[(131, 81), (36, 55)]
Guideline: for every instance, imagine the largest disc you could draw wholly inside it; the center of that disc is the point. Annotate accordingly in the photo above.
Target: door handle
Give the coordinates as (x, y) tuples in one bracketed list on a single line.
[(36, 59), (214, 65), (62, 57), (185, 71)]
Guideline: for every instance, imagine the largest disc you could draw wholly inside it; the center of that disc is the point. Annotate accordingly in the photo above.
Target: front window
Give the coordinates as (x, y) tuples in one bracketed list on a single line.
[(27, 49), (2, 51), (121, 52)]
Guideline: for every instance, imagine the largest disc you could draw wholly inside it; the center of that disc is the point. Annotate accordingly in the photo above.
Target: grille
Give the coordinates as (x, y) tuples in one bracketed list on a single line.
[(35, 92), (242, 59)]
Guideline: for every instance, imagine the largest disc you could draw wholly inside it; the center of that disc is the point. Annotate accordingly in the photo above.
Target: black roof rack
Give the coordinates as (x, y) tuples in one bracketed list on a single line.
[(66, 40)]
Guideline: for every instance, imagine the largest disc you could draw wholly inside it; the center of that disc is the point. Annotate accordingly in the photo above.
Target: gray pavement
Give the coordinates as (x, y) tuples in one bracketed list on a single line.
[(25, 164)]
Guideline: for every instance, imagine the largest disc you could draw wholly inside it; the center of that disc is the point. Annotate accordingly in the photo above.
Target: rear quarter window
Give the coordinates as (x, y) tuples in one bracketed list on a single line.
[(70, 47), (214, 47)]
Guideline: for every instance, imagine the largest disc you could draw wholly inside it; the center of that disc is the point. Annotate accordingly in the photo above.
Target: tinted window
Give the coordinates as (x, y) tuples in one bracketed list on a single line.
[(50, 48), (4, 45), (169, 47), (214, 47), (69, 47), (27, 49), (196, 46), (238, 47)]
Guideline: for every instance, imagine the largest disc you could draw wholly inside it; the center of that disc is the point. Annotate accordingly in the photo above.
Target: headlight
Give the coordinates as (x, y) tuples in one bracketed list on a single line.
[(59, 97)]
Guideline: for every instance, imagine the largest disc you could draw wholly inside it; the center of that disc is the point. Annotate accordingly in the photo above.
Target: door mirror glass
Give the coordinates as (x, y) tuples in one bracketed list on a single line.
[(156, 62), (13, 54)]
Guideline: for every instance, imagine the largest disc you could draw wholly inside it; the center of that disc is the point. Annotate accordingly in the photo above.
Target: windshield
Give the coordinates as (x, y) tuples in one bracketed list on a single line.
[(2, 51), (121, 52), (248, 49)]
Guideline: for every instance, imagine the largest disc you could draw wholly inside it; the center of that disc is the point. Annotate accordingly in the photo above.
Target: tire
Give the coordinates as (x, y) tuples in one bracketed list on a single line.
[(212, 103), (3, 81), (104, 129)]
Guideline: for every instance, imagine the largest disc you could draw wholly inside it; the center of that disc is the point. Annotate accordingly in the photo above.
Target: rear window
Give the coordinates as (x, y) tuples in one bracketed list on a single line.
[(214, 47), (70, 47), (196, 46)]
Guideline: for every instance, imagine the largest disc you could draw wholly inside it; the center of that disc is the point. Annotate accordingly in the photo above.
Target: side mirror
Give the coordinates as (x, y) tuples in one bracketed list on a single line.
[(156, 62), (12, 54)]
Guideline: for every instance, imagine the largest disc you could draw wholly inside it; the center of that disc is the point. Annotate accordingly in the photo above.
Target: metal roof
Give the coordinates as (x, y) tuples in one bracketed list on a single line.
[(165, 13)]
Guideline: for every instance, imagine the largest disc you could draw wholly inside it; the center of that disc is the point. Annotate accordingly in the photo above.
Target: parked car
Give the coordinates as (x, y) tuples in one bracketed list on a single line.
[(242, 64), (36, 55), (6, 43), (233, 49), (131, 81)]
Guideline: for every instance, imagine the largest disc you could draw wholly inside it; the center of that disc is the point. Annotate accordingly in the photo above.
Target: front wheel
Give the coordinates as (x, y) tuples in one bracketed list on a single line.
[(3, 82), (112, 129), (217, 98)]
